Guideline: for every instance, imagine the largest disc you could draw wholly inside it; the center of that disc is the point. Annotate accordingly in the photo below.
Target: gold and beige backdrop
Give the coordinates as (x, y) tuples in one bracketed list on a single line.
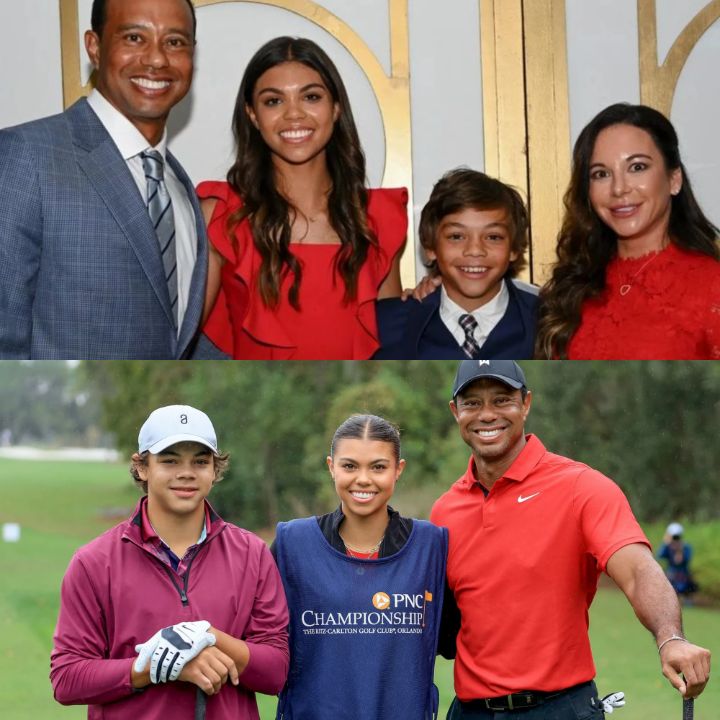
[(499, 85)]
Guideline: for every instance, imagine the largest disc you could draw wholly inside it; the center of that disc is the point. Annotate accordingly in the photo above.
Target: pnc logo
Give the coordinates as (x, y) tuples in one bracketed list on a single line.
[(381, 600)]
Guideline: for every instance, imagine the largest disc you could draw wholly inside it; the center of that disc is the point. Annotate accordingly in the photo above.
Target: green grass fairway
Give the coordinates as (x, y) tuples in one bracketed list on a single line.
[(61, 505), (626, 659)]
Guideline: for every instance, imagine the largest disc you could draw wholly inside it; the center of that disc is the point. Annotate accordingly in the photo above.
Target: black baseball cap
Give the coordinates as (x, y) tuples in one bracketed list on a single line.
[(506, 371)]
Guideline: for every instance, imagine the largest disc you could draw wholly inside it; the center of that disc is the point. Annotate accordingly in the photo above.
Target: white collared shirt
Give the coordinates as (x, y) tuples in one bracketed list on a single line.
[(487, 316), (130, 142)]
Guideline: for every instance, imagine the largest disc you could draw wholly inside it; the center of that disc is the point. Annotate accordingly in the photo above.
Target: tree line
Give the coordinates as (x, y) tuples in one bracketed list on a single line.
[(651, 426), (47, 403)]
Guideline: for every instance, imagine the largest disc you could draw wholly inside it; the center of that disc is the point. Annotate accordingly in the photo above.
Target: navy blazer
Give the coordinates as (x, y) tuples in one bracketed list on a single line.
[(81, 275), (413, 330)]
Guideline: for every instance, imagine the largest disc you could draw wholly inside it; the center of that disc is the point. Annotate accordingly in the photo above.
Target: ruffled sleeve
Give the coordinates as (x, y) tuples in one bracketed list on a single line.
[(239, 312), (227, 203), (387, 217), (231, 303), (239, 307)]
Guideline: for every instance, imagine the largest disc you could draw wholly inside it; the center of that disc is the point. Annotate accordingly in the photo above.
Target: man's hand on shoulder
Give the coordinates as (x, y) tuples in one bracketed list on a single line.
[(425, 287), (686, 666)]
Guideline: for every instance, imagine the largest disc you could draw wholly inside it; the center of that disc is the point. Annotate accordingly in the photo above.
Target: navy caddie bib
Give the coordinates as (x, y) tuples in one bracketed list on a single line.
[(363, 633)]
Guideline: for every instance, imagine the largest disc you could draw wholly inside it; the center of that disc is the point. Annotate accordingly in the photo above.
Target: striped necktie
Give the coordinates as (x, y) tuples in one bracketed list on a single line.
[(470, 347), (159, 207)]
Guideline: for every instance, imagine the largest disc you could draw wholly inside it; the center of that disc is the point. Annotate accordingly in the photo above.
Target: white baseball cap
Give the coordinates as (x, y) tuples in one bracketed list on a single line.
[(173, 424), (674, 529)]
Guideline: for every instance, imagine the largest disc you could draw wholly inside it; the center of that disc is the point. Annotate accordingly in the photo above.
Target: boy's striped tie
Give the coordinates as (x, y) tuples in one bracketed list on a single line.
[(468, 323)]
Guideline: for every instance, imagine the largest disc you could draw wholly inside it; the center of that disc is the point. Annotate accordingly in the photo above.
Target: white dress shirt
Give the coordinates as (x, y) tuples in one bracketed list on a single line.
[(487, 316), (131, 143)]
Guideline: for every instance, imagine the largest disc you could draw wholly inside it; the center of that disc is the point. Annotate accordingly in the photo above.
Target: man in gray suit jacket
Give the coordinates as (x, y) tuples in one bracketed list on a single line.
[(103, 251)]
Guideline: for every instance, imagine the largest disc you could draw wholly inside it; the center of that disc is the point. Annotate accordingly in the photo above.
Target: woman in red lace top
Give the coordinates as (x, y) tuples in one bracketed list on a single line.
[(638, 271), (300, 248)]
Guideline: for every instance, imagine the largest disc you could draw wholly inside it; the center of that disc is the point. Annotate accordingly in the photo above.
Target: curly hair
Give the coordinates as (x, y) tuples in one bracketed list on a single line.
[(221, 461), (464, 188), (586, 245), (252, 178)]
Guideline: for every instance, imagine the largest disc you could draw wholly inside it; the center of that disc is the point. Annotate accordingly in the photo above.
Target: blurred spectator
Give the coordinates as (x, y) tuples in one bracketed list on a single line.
[(678, 554)]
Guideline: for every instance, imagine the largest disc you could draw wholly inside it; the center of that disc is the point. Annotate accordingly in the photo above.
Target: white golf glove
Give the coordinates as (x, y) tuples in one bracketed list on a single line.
[(169, 649), (612, 701)]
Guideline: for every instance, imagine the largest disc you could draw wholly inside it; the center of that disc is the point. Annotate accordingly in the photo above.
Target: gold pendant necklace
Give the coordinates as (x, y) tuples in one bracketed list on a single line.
[(625, 289)]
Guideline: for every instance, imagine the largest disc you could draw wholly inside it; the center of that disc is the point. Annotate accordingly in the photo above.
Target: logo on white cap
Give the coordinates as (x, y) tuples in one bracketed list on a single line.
[(172, 424), (483, 362)]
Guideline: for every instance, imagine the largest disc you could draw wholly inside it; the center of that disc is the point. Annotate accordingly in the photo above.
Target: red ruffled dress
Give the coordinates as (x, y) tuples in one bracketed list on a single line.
[(671, 310), (325, 328)]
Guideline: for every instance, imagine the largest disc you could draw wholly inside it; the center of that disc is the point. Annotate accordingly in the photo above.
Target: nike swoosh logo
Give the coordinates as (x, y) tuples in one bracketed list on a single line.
[(522, 499)]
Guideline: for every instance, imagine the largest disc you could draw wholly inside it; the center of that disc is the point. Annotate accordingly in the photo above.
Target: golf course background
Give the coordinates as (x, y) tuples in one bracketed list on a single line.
[(61, 505)]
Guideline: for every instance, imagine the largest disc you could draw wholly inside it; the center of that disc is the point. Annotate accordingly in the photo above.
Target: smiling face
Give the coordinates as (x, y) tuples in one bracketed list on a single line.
[(491, 417), (472, 251), (294, 112), (144, 60), (364, 473), (178, 480), (631, 188)]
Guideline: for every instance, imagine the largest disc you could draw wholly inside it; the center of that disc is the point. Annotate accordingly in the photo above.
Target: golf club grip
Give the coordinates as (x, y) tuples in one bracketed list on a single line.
[(201, 701), (688, 709)]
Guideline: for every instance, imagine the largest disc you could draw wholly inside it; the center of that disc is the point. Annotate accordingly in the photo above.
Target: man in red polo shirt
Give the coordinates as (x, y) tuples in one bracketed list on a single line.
[(530, 533)]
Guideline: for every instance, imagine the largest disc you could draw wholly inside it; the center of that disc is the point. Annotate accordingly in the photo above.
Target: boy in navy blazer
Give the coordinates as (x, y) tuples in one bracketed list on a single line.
[(473, 231)]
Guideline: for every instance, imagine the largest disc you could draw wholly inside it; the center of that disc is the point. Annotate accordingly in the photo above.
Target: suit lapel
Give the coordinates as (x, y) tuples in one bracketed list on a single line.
[(509, 337), (106, 170), (418, 320), (193, 312)]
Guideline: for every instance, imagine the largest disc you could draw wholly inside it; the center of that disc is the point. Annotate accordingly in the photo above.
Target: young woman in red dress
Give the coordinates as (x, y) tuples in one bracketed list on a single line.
[(638, 271), (300, 248)]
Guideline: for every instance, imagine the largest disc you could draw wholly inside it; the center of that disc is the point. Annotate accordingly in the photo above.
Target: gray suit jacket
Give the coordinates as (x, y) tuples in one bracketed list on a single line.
[(81, 274)]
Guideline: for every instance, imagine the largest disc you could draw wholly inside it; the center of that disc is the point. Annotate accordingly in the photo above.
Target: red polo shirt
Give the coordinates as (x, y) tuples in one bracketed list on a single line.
[(523, 565)]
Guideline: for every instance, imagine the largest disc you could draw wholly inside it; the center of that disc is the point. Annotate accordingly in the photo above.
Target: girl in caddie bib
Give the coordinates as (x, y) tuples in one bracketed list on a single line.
[(364, 588)]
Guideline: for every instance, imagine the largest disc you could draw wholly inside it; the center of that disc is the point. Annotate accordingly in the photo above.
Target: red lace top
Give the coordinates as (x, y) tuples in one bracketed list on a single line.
[(671, 310), (325, 328)]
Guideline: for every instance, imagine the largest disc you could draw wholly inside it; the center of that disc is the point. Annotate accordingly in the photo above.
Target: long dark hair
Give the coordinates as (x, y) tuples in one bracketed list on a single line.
[(586, 245), (252, 178), (367, 427)]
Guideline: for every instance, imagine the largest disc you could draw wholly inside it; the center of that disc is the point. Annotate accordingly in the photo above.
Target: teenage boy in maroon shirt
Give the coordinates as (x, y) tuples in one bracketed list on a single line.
[(173, 599)]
